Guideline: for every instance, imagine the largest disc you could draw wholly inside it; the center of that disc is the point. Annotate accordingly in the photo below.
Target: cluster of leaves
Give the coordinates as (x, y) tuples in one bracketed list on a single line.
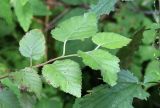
[(79, 42)]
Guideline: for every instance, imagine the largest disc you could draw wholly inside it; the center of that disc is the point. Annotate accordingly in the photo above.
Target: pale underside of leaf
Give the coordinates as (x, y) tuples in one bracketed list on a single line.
[(64, 74), (32, 45)]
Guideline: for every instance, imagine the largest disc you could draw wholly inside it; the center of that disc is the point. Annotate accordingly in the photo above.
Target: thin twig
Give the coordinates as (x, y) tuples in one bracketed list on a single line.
[(51, 60), (52, 23), (5, 76)]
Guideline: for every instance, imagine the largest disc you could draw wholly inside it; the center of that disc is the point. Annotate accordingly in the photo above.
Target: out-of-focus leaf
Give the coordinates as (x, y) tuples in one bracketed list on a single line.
[(50, 103), (24, 14), (152, 73), (103, 7), (8, 100), (39, 8), (149, 36)]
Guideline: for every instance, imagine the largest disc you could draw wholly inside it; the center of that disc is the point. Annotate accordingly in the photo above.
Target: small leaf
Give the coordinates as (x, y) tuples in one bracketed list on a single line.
[(78, 27), (28, 79), (24, 14), (32, 45), (110, 40), (103, 7), (65, 74), (104, 61), (8, 100)]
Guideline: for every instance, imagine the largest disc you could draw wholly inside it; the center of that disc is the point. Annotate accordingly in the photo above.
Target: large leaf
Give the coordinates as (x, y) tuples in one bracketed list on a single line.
[(103, 7), (110, 40), (104, 61), (8, 100), (152, 73), (24, 14), (32, 45), (78, 27), (28, 79), (119, 96), (64, 74)]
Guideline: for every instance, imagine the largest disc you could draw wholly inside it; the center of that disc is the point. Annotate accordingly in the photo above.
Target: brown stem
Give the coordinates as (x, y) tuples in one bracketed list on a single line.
[(51, 24), (51, 60)]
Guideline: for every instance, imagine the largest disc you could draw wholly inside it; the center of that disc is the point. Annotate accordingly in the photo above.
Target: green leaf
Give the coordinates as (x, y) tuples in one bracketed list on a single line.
[(74, 12), (24, 14), (6, 12), (28, 79), (149, 36), (126, 76), (49, 103), (27, 101), (103, 7), (8, 100), (73, 2), (23, 2), (65, 74), (39, 8), (110, 40), (104, 61), (152, 73), (78, 27), (12, 86), (79, 2), (32, 45), (119, 96), (148, 52)]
